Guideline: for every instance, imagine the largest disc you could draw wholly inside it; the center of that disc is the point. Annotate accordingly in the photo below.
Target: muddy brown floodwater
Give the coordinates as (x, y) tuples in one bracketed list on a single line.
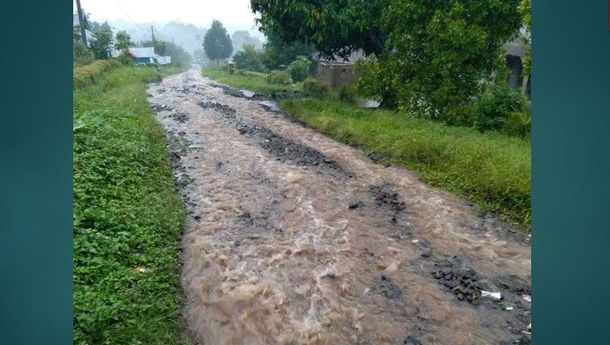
[(294, 238)]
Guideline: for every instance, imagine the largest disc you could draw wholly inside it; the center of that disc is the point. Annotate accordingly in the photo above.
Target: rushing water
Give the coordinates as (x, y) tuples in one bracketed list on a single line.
[(294, 238)]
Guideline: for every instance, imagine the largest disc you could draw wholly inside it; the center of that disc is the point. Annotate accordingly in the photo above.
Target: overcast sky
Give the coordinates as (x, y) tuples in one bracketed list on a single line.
[(234, 14)]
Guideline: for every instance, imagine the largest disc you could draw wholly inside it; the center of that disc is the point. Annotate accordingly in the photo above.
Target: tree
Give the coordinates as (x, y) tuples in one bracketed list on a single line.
[(437, 52), (102, 41), (217, 42), (277, 52), (248, 59), (336, 27), (123, 40), (428, 55)]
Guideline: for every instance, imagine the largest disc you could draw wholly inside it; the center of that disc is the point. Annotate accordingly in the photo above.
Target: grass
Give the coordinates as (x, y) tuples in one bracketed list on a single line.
[(490, 169), (253, 81), (127, 216)]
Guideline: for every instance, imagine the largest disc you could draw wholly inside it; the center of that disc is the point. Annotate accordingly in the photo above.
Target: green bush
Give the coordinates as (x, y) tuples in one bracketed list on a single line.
[(90, 74), (315, 89), (248, 59), (125, 60), (495, 105), (81, 55), (347, 94), (279, 77), (299, 68), (518, 124)]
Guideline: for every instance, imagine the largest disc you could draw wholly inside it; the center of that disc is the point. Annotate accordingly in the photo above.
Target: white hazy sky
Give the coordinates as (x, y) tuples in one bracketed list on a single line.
[(232, 13)]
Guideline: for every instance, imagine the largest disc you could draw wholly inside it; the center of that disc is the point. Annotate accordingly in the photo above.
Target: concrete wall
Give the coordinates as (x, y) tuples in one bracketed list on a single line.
[(335, 74)]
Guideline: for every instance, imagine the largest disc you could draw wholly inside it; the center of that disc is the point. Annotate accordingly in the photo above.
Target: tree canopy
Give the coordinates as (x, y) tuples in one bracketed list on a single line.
[(217, 42), (277, 52), (102, 40), (123, 40), (429, 55), (336, 27)]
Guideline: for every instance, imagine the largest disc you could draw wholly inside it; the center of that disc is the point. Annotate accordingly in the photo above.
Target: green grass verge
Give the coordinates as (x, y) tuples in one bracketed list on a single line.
[(490, 169), (253, 81), (127, 216)]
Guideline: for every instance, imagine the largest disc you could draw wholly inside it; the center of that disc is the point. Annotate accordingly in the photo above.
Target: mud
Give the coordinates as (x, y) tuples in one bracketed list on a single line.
[(294, 238)]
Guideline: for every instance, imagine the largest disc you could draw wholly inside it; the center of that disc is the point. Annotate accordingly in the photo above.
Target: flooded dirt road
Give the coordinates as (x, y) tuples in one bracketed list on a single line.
[(294, 238)]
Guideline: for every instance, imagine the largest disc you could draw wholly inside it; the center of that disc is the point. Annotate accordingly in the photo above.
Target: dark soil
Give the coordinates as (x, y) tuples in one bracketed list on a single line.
[(284, 149)]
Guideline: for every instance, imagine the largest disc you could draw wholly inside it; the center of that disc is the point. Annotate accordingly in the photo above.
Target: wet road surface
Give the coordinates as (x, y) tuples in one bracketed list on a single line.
[(294, 238)]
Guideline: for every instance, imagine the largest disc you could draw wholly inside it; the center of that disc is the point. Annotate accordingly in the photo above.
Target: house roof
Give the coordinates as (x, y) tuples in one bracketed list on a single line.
[(139, 52), (353, 57)]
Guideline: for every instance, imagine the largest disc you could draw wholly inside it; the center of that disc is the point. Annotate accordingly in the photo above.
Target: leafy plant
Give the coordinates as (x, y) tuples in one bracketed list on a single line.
[(279, 77), (495, 105), (315, 89), (81, 55), (102, 41), (248, 59), (299, 68), (123, 40), (127, 215)]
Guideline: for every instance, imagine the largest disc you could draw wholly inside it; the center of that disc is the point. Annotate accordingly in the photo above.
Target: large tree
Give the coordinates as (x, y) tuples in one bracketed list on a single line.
[(336, 27), (277, 52), (429, 55), (102, 41), (217, 42)]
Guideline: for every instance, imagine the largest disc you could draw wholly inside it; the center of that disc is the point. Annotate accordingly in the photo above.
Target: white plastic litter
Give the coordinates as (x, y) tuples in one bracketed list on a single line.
[(494, 296)]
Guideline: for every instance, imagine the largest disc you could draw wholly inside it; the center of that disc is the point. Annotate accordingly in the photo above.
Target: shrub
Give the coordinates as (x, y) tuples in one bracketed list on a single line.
[(313, 88), (81, 55), (90, 74), (279, 77), (518, 124), (347, 94), (125, 60), (495, 105), (248, 58), (299, 68)]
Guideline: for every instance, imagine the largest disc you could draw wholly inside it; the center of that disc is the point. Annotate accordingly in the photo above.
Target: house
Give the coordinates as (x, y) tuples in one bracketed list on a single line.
[(337, 73), (144, 55)]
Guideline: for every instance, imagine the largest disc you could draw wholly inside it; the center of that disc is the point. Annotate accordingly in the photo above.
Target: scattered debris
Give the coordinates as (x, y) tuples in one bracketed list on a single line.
[(459, 278), (389, 289), (494, 296)]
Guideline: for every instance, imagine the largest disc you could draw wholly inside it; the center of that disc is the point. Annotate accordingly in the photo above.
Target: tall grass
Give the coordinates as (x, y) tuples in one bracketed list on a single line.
[(127, 216), (490, 169), (254, 81)]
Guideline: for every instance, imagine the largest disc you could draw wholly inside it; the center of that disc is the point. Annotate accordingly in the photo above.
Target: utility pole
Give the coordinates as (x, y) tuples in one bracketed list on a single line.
[(152, 30), (81, 23)]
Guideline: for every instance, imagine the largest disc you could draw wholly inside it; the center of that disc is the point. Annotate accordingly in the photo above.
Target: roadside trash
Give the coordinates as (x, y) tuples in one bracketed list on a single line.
[(141, 269), (415, 241), (529, 327), (494, 296), (508, 308), (527, 298)]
